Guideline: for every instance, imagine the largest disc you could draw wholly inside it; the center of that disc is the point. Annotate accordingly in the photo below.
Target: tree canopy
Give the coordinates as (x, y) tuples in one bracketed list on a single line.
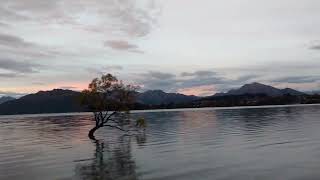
[(110, 100)]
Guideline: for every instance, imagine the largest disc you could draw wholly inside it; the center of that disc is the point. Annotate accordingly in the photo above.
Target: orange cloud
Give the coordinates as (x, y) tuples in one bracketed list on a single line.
[(205, 90), (77, 86)]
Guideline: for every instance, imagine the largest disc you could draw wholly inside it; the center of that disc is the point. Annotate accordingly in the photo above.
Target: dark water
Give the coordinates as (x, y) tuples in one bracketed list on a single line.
[(242, 144)]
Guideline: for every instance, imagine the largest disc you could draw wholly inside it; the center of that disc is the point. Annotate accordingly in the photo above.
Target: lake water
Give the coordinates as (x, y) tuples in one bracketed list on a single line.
[(240, 143)]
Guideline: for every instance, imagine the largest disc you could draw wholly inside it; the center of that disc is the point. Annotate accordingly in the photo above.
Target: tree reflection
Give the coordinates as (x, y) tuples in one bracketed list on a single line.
[(111, 161)]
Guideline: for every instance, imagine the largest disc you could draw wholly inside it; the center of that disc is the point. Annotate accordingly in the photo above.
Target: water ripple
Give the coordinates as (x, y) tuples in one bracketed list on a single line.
[(235, 143)]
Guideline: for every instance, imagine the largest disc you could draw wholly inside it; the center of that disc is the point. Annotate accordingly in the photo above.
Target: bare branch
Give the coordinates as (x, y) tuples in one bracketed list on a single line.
[(108, 125), (117, 122), (108, 118), (104, 117)]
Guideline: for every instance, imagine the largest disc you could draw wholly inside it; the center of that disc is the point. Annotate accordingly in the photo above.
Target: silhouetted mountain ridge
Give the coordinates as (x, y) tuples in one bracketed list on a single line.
[(258, 88), (157, 97), (62, 101), (4, 99), (54, 101)]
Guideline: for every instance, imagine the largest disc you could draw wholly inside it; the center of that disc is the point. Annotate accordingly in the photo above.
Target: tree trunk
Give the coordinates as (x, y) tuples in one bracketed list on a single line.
[(91, 132)]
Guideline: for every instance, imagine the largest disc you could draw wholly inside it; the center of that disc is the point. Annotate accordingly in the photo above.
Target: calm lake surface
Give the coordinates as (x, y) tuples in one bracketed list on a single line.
[(240, 143)]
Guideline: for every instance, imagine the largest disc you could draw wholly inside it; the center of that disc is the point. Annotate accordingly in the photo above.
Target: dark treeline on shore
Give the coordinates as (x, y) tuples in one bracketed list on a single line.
[(238, 100), (255, 94)]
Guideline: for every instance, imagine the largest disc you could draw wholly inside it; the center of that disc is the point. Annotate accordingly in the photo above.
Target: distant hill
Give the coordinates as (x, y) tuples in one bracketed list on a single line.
[(313, 92), (55, 101), (256, 94), (158, 97), (291, 92), (258, 88), (5, 99), (62, 101)]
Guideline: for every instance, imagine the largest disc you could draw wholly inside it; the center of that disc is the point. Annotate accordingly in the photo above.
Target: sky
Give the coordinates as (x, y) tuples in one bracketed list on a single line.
[(185, 46)]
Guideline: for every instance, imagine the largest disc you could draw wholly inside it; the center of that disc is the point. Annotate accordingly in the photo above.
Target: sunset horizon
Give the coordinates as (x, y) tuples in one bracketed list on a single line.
[(200, 49)]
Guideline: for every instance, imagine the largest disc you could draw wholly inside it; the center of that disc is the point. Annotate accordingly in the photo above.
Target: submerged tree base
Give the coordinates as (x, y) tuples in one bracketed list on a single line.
[(128, 132), (91, 133)]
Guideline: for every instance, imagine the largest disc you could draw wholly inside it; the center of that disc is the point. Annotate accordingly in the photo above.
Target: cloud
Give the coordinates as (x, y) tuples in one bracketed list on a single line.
[(199, 73), (58, 19), (68, 87), (51, 34), (18, 66), (104, 69), (297, 79), (122, 46), (159, 75), (156, 80), (202, 81), (3, 24), (9, 75), (7, 14), (38, 83), (13, 41), (113, 67), (244, 79), (133, 18), (173, 83), (200, 78), (12, 94), (205, 90), (14, 47), (315, 47)]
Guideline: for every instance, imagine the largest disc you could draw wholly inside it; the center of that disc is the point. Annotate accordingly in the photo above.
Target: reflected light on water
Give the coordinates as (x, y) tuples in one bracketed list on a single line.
[(237, 143)]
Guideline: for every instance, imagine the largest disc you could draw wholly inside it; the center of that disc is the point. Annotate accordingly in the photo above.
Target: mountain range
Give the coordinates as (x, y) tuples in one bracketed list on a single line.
[(62, 101), (5, 99), (158, 97), (258, 88)]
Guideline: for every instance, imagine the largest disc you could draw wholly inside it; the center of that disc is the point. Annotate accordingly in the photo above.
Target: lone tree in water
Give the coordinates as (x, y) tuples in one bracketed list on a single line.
[(110, 100)]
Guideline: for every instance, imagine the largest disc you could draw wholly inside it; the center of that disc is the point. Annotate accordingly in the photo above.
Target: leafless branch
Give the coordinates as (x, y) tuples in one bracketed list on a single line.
[(108, 118), (108, 125)]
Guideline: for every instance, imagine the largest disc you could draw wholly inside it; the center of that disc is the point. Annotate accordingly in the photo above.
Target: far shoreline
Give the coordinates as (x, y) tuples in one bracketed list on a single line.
[(161, 110)]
